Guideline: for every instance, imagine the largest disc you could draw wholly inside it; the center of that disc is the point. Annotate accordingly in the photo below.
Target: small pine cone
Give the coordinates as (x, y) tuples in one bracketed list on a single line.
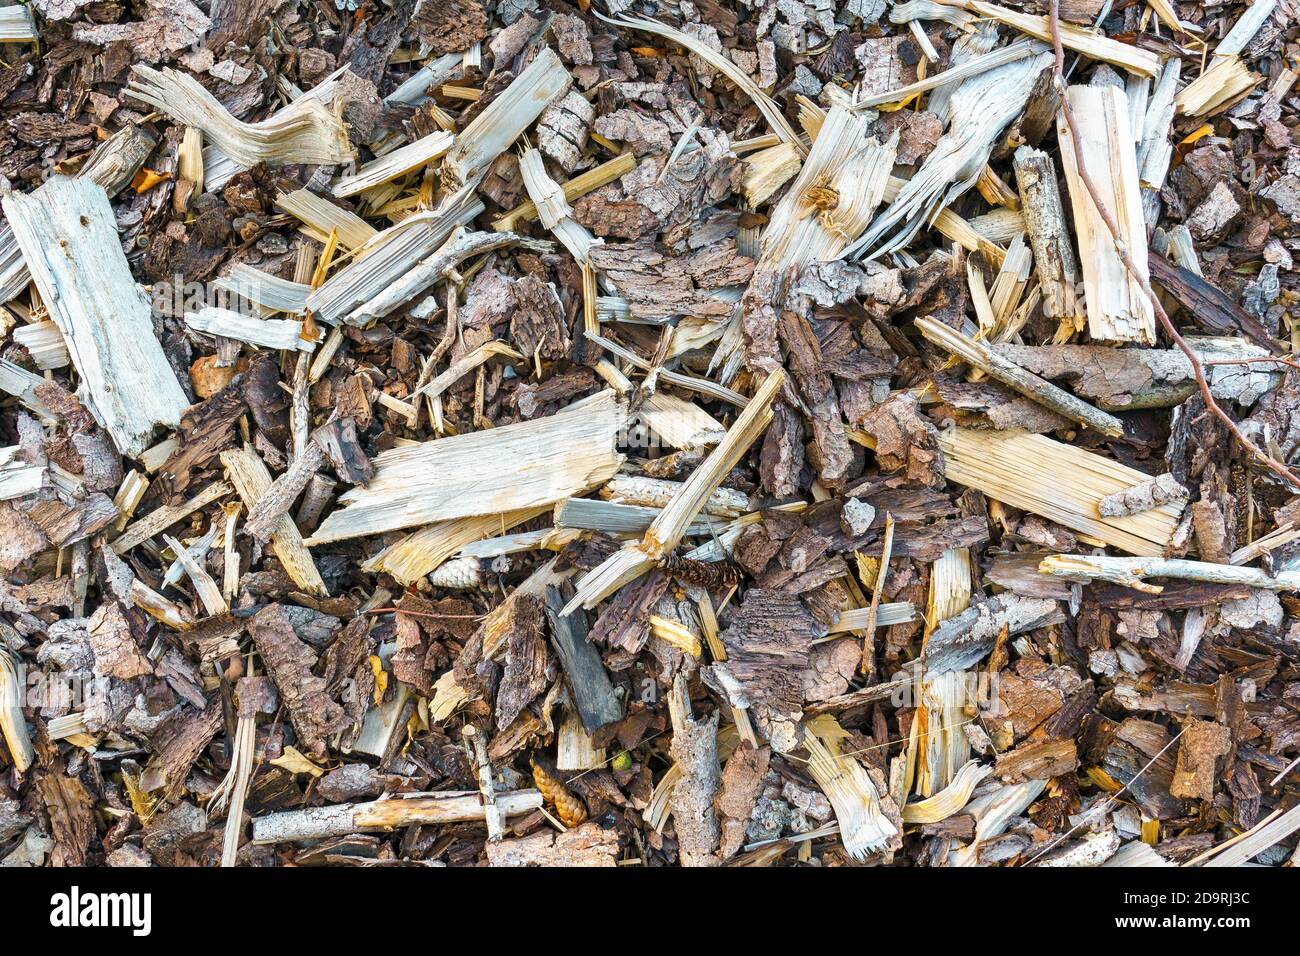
[(568, 808), (461, 574)]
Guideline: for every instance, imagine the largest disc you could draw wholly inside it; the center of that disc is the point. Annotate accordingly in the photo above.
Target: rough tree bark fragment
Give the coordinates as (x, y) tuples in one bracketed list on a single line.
[(290, 663), (695, 750), (963, 640), (1143, 497), (767, 644), (1040, 203)]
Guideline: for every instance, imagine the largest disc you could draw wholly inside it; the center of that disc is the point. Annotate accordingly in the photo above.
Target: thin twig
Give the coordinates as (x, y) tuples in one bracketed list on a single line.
[(1272, 464)]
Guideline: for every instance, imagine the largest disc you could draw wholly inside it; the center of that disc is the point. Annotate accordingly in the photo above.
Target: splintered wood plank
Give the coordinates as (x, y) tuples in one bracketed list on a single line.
[(541, 83), (320, 217), (487, 472), (17, 26), (251, 479), (397, 163), (1059, 482), (1118, 310), (1080, 40), (160, 519), (68, 236), (421, 552)]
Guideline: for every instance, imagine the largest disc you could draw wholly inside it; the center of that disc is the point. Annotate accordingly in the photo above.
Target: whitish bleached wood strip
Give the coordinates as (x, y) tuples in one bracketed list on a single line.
[(319, 217), (307, 132), (929, 10), (553, 209), (490, 133), (318, 823), (219, 168), (954, 74), (1079, 39), (1133, 572), (17, 480), (591, 514), (415, 91), (387, 257), (22, 384), (502, 469), (422, 275), (113, 164), (268, 333), (981, 107), (1118, 310), (265, 290), (68, 236), (993, 813), (657, 492), (397, 163), (1057, 481), (1155, 149), (17, 26), (855, 169), (251, 479), (1244, 30)]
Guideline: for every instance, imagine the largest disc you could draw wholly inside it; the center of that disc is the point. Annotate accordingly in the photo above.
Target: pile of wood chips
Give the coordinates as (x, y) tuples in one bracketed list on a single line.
[(649, 432)]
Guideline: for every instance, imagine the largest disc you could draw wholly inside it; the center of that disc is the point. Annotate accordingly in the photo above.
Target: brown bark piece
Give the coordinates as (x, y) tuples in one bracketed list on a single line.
[(742, 782), (905, 440), (1203, 743), (449, 26), (768, 643), (338, 439), (695, 750), (116, 652), (290, 662), (587, 845), (1037, 761), (526, 667)]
